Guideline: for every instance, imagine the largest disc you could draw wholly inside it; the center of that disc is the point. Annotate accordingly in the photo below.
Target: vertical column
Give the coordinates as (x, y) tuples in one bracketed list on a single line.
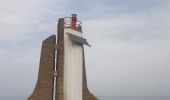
[(60, 61)]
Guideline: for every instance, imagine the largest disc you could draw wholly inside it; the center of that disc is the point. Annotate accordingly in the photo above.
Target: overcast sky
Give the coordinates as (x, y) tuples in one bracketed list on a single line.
[(130, 53)]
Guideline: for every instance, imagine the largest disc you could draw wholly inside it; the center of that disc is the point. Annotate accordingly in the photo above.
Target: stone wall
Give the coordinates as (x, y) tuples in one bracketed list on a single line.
[(60, 61), (44, 86)]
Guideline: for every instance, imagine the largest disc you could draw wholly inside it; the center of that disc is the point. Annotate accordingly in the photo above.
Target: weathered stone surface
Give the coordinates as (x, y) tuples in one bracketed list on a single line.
[(60, 61), (44, 86)]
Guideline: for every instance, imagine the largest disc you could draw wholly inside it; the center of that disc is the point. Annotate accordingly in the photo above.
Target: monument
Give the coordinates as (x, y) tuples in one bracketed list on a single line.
[(62, 72)]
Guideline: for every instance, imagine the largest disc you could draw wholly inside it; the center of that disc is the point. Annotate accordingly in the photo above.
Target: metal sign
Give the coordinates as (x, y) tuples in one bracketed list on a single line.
[(78, 39)]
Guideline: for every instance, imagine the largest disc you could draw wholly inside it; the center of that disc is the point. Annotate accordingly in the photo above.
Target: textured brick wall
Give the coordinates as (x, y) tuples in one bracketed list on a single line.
[(60, 61), (44, 86)]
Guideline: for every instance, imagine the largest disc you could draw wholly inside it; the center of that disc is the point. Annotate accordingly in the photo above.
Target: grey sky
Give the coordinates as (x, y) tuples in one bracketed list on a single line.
[(130, 44)]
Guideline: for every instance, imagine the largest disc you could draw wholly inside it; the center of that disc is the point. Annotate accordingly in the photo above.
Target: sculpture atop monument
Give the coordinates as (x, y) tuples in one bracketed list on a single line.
[(62, 74)]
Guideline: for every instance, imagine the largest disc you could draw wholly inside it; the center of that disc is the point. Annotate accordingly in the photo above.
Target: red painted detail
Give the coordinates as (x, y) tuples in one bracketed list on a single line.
[(73, 20)]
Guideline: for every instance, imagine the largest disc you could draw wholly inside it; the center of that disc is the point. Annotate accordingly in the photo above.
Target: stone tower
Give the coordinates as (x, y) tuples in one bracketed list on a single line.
[(62, 73)]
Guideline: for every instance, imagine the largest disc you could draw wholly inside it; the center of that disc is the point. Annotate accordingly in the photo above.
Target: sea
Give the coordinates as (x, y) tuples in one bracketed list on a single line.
[(134, 98), (105, 98)]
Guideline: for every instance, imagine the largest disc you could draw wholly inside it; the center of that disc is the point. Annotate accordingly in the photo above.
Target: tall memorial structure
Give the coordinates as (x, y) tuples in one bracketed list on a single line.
[(62, 73)]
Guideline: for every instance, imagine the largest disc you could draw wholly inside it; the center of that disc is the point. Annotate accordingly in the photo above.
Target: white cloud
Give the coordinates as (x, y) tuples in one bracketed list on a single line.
[(116, 67), (18, 67), (123, 44), (145, 25), (129, 54), (19, 19)]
